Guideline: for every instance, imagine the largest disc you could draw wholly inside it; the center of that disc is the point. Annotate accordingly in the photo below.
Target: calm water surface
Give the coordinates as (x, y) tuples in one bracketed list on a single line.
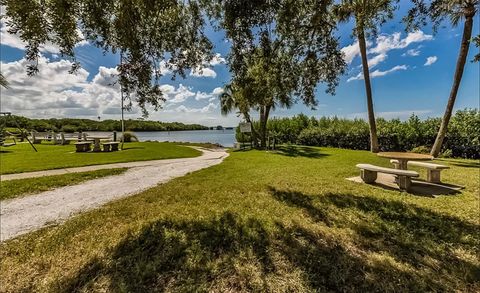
[(224, 137)]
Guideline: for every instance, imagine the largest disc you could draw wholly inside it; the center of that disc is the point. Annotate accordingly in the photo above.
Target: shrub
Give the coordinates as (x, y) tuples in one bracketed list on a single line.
[(129, 137), (462, 138), (446, 154), (421, 150)]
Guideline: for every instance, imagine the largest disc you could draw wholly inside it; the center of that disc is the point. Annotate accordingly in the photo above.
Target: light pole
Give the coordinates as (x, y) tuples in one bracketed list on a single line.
[(121, 97)]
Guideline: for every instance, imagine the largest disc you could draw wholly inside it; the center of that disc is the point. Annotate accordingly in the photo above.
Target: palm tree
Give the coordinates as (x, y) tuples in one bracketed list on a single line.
[(368, 14), (455, 10), (3, 81), (233, 98)]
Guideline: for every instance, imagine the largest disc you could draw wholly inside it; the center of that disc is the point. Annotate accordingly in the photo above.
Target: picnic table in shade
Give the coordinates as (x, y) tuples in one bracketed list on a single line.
[(404, 157), (96, 141)]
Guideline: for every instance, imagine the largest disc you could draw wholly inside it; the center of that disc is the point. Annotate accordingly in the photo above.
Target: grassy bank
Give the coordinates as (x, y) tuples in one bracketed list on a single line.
[(284, 221), (22, 158), (15, 188)]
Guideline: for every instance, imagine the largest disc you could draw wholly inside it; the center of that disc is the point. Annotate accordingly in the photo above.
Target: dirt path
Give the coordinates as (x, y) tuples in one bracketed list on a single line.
[(22, 215)]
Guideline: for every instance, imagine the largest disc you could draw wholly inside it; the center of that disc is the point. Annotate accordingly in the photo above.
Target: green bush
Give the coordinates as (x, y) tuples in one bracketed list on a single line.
[(129, 137), (421, 150), (414, 134)]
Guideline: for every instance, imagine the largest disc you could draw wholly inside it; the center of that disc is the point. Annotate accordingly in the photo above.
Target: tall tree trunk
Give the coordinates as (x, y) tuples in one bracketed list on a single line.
[(462, 58), (368, 89), (264, 113)]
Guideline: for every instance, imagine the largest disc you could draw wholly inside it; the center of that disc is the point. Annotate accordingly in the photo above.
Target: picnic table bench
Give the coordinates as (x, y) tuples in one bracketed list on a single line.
[(433, 170), (368, 173), (110, 146), (38, 137), (83, 146), (66, 138)]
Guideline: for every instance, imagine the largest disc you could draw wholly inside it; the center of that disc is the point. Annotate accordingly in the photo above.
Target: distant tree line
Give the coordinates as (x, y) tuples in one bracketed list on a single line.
[(414, 134), (76, 125)]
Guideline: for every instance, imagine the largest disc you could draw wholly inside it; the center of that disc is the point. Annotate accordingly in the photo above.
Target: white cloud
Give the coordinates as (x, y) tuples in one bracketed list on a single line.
[(202, 96), (385, 43), (376, 60), (208, 108), (203, 72), (378, 73), (217, 91), (179, 95), (53, 92), (430, 60), (412, 52), (217, 59), (351, 51)]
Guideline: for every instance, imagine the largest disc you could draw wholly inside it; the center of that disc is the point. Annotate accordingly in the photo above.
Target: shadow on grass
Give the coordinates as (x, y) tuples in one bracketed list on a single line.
[(187, 256), (231, 253), (462, 164), (299, 151), (433, 243), (126, 148)]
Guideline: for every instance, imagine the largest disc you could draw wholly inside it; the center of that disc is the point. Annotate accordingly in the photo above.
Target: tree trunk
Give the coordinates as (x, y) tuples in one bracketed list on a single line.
[(264, 112), (253, 134), (462, 58), (368, 89)]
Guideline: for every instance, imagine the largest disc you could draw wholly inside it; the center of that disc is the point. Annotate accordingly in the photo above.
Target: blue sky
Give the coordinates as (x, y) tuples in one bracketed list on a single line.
[(412, 74)]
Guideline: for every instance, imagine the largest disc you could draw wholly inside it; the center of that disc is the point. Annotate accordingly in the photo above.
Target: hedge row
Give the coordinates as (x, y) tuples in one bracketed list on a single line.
[(394, 135)]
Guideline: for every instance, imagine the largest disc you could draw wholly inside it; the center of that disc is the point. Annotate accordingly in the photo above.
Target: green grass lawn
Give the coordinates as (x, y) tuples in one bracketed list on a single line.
[(279, 222), (19, 187), (22, 158)]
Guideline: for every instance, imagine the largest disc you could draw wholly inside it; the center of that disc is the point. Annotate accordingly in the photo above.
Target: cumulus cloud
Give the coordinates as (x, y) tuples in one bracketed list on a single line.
[(372, 62), (430, 60), (178, 95), (385, 43), (54, 92), (208, 108), (350, 52), (182, 93), (378, 73), (217, 59), (412, 52), (203, 72)]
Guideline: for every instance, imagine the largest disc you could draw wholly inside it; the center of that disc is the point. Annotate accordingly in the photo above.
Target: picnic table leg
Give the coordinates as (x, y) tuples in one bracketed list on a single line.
[(96, 145), (402, 164), (433, 176)]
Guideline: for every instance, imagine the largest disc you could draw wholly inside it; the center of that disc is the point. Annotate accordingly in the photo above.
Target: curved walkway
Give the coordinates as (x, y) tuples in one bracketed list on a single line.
[(22, 215)]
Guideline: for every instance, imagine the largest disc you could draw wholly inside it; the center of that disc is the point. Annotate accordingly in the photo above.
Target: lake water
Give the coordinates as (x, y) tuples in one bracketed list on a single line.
[(224, 137)]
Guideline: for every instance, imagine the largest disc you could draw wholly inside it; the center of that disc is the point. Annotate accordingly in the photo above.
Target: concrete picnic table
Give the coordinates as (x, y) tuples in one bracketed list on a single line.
[(404, 157), (96, 141)]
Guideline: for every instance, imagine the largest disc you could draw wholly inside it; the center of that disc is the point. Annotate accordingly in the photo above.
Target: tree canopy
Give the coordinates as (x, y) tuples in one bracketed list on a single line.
[(280, 51), (150, 34)]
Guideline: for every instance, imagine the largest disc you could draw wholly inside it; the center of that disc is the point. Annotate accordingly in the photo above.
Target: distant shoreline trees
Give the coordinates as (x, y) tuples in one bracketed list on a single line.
[(77, 125)]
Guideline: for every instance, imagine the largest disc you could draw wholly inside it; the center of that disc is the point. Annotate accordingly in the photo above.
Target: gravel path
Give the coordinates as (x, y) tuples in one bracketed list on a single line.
[(22, 215)]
